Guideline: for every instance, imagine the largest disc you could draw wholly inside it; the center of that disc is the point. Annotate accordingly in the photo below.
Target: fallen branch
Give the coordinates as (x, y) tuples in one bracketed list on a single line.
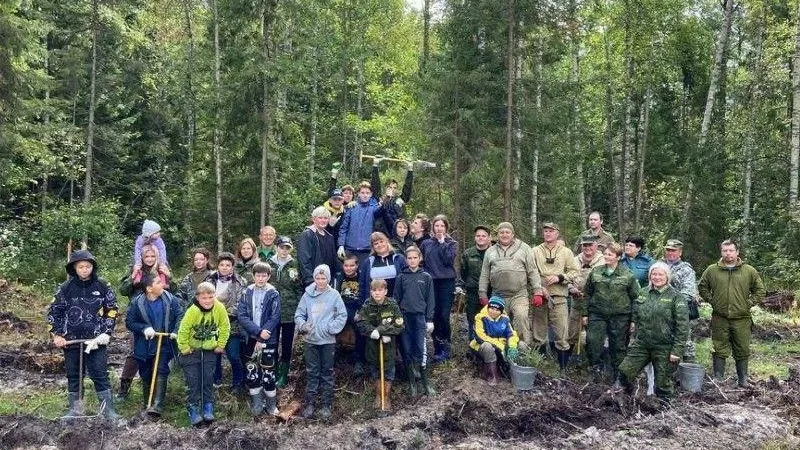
[(718, 388), (568, 423)]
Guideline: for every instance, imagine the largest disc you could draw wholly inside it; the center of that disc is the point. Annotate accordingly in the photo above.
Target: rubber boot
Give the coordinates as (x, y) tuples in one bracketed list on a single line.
[(160, 391), (106, 401), (208, 412), (358, 369), (563, 360), (271, 403), (72, 398), (438, 352), (194, 415), (283, 375), (308, 408), (490, 372), (427, 389), (741, 373), (124, 388), (256, 401), (387, 399), (412, 380), (718, 368)]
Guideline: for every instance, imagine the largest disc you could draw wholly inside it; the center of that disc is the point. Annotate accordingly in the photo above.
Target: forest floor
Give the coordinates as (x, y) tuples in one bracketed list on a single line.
[(558, 413)]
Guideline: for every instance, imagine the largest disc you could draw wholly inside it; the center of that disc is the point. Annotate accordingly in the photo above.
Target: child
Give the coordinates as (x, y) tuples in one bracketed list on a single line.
[(401, 239), (202, 336), (380, 319), (153, 311), (348, 286), (413, 290), (84, 307), (287, 282), (320, 316), (259, 313), (151, 234), (494, 335), (201, 269)]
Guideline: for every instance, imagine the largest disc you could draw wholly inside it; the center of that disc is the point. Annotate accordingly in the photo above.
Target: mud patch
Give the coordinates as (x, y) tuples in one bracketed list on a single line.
[(11, 323)]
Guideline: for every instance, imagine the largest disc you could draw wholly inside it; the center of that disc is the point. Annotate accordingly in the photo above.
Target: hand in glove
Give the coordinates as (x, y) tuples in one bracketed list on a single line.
[(537, 300), (102, 339), (376, 161), (410, 166), (375, 335), (484, 301), (512, 354), (386, 339), (460, 291), (341, 253), (90, 345), (399, 201), (173, 336), (429, 327), (149, 333)]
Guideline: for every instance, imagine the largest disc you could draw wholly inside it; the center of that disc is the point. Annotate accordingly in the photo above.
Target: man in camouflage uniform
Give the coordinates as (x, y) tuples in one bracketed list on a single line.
[(732, 288), (471, 263), (586, 260), (595, 221), (557, 269), (684, 280)]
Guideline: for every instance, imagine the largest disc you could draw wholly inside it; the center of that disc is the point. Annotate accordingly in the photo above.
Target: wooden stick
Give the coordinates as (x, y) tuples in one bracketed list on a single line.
[(717, 386), (155, 370), (383, 381)]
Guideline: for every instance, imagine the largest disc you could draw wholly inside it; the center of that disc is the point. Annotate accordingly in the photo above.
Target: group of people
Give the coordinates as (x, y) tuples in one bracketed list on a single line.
[(362, 266)]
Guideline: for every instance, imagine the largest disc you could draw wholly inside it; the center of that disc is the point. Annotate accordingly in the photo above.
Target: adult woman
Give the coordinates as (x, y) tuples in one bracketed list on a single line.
[(439, 254), (382, 264), (245, 259), (201, 269), (661, 323), (611, 290)]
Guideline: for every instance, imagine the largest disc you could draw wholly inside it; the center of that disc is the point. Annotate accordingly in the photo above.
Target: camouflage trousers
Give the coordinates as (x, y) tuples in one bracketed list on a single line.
[(639, 356)]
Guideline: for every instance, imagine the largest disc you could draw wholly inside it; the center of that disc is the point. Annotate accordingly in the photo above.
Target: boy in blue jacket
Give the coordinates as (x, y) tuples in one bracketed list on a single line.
[(153, 311), (259, 314)]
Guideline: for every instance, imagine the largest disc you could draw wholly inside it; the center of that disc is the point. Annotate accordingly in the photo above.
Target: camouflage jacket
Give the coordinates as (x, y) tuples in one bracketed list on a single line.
[(388, 320), (662, 319), (683, 279), (611, 294)]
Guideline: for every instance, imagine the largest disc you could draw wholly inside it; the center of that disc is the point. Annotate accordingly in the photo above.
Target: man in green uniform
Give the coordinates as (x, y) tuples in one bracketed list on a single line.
[(732, 288), (595, 222), (471, 263)]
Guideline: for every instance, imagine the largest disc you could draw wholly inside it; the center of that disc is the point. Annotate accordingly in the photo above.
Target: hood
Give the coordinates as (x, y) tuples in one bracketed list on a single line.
[(80, 255), (313, 292)]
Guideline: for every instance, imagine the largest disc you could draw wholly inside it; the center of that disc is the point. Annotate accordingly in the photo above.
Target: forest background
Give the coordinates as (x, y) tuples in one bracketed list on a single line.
[(674, 118)]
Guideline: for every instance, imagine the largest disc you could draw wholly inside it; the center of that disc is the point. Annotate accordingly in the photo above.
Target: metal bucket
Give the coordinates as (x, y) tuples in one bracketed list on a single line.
[(522, 377), (691, 376)]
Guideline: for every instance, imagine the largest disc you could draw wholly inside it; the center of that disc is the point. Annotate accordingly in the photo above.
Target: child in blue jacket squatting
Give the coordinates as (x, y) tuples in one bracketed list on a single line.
[(259, 314), (494, 335), (153, 311), (381, 320), (320, 316), (84, 308)]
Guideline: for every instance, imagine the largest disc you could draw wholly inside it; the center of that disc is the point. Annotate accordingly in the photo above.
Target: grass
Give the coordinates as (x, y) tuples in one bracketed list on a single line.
[(766, 358)]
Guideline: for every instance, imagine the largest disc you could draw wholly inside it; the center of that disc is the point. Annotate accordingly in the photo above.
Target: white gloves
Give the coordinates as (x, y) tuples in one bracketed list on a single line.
[(386, 339), (149, 333), (340, 253), (90, 345), (102, 339), (460, 291), (429, 327), (399, 201), (173, 336), (375, 334), (410, 166)]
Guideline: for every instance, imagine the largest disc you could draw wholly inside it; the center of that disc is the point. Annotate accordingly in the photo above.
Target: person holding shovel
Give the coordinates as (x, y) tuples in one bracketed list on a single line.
[(82, 318), (381, 320), (153, 316)]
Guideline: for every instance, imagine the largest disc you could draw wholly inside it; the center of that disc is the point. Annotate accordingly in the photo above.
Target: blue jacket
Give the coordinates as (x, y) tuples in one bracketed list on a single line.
[(439, 258), (639, 265), (357, 225), (270, 314), (324, 311), (414, 293), (136, 320), (365, 274)]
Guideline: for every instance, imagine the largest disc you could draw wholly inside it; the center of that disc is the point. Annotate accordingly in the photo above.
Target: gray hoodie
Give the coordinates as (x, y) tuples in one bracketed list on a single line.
[(323, 312)]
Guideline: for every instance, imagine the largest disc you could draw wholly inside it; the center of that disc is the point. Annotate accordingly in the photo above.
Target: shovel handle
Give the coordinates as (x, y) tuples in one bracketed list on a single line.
[(383, 381), (76, 341), (155, 369)]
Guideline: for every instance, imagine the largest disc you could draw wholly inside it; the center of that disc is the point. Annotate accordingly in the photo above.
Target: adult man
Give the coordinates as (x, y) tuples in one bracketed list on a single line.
[(509, 268), (732, 288), (471, 263), (586, 260), (557, 269), (266, 243), (596, 229), (684, 280), (316, 246)]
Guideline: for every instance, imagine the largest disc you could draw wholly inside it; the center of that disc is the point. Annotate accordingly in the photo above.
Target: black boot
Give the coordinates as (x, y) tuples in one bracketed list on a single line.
[(124, 388), (427, 389), (741, 373), (412, 380), (563, 360), (160, 391), (718, 368)]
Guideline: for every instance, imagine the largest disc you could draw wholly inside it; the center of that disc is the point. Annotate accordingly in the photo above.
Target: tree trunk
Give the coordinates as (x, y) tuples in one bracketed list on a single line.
[(216, 132), (641, 156), (87, 184), (267, 17), (575, 93), (191, 115), (750, 145), (628, 133), (426, 30), (312, 145), (795, 150), (716, 73), (537, 141), (509, 111), (608, 136)]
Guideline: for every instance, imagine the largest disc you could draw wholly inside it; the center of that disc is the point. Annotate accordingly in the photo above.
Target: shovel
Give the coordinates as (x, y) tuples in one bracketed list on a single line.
[(155, 369), (80, 407), (383, 380)]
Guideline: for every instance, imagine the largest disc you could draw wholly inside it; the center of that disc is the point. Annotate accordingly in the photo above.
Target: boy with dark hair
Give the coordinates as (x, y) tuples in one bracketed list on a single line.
[(153, 311), (202, 335), (259, 314), (286, 279), (380, 319), (347, 284), (84, 308)]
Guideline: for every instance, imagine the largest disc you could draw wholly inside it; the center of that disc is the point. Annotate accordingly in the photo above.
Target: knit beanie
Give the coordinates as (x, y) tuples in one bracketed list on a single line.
[(149, 228), (497, 301), (323, 269)]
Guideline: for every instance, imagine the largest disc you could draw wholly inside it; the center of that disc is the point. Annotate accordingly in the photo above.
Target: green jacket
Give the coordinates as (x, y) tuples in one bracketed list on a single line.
[(388, 320), (611, 294), (731, 291), (471, 263), (662, 319), (206, 329), (286, 279)]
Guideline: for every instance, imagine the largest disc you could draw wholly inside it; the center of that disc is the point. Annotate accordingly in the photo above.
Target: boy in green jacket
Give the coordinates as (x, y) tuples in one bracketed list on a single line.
[(202, 336)]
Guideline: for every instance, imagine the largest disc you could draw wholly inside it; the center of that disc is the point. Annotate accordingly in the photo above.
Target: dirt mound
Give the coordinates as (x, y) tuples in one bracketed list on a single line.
[(32, 359), (10, 323)]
